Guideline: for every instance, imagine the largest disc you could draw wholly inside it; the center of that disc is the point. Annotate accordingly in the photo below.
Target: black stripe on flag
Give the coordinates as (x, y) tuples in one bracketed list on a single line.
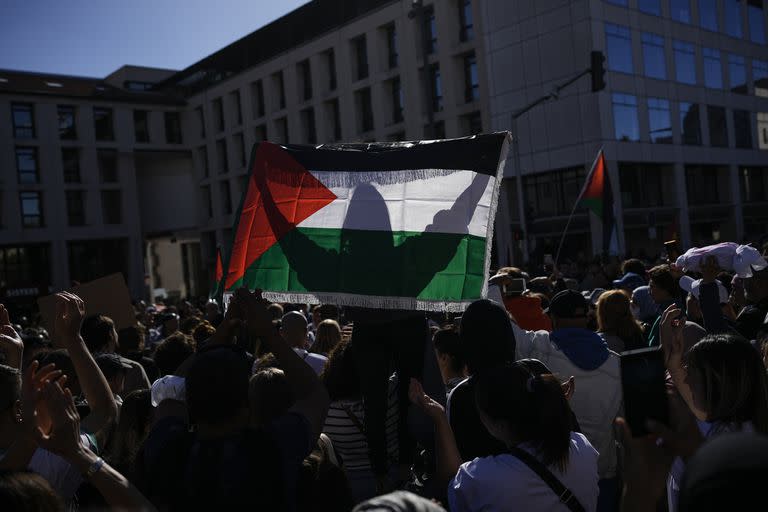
[(478, 153)]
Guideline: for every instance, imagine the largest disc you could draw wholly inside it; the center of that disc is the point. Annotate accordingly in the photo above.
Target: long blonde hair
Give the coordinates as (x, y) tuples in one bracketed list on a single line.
[(328, 336), (614, 316)]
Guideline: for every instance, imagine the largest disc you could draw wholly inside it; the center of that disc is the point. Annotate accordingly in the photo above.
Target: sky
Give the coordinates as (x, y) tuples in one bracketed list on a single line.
[(95, 37)]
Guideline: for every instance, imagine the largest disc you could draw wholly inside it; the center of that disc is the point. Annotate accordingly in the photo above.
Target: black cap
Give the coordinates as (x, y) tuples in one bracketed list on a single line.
[(111, 364), (568, 304)]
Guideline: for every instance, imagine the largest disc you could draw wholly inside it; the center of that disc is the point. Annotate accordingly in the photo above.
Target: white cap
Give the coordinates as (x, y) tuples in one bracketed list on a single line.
[(692, 285), (169, 387)]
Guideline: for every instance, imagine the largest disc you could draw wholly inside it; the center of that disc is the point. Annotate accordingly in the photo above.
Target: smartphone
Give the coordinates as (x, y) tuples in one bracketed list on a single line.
[(672, 250), (514, 287), (644, 385)]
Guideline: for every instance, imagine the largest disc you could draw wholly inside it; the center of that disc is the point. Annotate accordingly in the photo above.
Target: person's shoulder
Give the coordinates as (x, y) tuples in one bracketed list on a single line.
[(580, 443)]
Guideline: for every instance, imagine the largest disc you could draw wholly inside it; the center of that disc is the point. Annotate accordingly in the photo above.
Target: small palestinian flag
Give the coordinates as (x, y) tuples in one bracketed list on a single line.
[(216, 290), (405, 225), (598, 197)]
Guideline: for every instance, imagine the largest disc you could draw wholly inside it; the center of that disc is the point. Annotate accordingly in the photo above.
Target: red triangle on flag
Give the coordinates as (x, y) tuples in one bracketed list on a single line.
[(297, 194)]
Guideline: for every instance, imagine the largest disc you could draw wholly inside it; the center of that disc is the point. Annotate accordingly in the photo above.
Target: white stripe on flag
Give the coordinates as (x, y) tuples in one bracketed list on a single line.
[(409, 204)]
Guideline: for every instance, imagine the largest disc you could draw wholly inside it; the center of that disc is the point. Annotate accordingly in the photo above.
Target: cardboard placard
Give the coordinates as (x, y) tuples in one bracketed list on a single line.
[(107, 296)]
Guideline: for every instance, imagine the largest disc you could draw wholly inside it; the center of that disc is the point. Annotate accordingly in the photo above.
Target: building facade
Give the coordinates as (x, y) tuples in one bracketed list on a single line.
[(683, 122)]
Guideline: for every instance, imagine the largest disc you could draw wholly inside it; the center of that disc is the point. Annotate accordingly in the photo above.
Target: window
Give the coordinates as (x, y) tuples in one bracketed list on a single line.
[(392, 56), (133, 85), (218, 114), (625, 117), (200, 119), (364, 110), (642, 184), (207, 199), (279, 85), (107, 159), (733, 18), (308, 123), (472, 123), (753, 184), (708, 14), (702, 184), (737, 74), (103, 121), (623, 3), (713, 69), (742, 129), (203, 159), (760, 77), (305, 79), (690, 124), (429, 30), (650, 6), (112, 206), (330, 67), (23, 115), (471, 81), (67, 125), (281, 127), (618, 43), (70, 161), (466, 27), (654, 61), (257, 91), (26, 165), (756, 21), (226, 197), (75, 207), (360, 53), (396, 92), (685, 62), (659, 121), (334, 119), (260, 133), (680, 10), (237, 107), (553, 193), (762, 130), (240, 149), (172, 127), (222, 161), (31, 209), (140, 126), (718, 131), (436, 88)]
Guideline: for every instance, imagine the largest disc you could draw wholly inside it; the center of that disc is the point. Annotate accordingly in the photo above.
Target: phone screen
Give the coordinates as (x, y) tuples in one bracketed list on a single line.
[(643, 383)]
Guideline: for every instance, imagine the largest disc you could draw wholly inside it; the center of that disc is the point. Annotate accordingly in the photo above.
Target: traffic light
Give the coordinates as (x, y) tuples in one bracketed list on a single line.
[(597, 70)]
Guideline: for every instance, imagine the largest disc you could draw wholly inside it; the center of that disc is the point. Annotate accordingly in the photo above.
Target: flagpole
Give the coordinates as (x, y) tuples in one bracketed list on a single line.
[(576, 205)]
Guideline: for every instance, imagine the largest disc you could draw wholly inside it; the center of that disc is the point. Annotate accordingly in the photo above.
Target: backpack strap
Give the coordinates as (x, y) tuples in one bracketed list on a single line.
[(567, 498)]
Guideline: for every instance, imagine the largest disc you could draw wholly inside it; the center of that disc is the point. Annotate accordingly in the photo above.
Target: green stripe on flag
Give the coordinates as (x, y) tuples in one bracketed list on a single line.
[(428, 266)]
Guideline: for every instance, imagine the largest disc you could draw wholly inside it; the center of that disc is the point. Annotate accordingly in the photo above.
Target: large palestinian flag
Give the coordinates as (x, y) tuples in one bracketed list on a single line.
[(404, 225)]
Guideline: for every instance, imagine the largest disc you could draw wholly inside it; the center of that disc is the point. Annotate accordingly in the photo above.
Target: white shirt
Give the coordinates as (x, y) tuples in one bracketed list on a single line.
[(62, 476), (316, 361), (505, 483)]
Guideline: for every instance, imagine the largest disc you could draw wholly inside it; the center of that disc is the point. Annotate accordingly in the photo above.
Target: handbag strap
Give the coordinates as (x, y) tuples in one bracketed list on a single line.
[(355, 420), (567, 498)]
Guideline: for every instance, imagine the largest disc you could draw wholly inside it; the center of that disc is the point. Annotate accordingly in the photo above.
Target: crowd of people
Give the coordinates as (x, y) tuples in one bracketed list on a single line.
[(515, 404)]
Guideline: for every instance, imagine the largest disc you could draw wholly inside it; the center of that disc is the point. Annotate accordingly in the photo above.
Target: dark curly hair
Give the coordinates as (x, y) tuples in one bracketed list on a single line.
[(340, 376)]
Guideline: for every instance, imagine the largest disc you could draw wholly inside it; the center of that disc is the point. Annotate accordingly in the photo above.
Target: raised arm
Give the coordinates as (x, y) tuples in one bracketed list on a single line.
[(448, 457), (70, 312), (309, 392), (63, 438), (671, 334), (10, 341)]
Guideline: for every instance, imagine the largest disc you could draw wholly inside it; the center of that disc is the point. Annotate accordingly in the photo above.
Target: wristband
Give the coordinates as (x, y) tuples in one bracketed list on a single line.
[(94, 467)]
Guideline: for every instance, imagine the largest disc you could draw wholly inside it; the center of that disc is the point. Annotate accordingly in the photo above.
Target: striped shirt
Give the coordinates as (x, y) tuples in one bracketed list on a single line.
[(350, 443)]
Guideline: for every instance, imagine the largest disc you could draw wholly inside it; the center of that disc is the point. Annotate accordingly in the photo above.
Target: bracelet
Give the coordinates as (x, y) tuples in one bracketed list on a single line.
[(94, 467)]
